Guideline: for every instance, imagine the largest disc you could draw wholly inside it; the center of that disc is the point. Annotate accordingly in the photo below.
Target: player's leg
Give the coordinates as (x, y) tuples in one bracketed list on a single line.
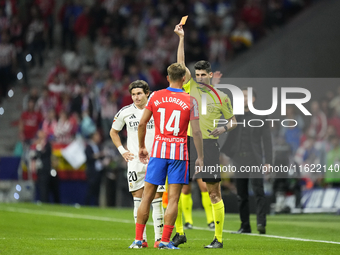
[(186, 198), (178, 175), (165, 195), (206, 203), (214, 189), (137, 198), (171, 211), (155, 176), (135, 176), (212, 180), (180, 237), (186, 203), (143, 213), (158, 215), (179, 219)]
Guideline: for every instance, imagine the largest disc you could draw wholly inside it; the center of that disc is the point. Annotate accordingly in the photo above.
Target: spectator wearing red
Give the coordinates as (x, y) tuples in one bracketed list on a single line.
[(56, 87), (30, 122), (125, 96), (82, 24), (63, 131), (253, 15), (46, 102), (58, 70), (116, 63)]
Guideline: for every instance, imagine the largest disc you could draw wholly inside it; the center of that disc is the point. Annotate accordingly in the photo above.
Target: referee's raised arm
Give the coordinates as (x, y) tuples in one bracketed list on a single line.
[(180, 51)]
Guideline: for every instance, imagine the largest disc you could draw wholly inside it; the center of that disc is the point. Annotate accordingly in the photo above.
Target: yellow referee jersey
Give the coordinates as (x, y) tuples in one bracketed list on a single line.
[(214, 109)]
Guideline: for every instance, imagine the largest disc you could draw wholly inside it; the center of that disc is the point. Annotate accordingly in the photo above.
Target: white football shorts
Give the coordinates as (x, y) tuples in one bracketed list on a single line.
[(136, 175)]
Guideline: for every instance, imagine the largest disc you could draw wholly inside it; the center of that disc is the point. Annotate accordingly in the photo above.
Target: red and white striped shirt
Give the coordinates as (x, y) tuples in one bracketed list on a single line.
[(172, 110)]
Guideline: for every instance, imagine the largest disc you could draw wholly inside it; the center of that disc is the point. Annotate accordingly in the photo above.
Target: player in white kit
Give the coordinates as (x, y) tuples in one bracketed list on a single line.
[(130, 116)]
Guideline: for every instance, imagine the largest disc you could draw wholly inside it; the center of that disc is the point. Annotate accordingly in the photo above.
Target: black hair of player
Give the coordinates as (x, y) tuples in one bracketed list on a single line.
[(203, 65), (141, 85)]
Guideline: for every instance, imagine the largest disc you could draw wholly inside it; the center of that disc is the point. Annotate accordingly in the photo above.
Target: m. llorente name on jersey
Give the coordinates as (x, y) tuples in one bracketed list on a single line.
[(134, 124), (172, 100)]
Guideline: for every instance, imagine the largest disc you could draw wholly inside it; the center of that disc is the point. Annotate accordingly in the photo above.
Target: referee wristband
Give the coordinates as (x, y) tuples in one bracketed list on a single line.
[(226, 128), (122, 150)]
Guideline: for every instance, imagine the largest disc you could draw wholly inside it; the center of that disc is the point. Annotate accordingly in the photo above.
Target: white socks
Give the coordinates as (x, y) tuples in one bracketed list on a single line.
[(158, 217), (136, 203)]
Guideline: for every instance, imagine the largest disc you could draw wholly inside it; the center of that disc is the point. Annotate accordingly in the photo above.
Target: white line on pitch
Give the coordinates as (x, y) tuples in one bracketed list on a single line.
[(88, 239), (90, 217), (278, 237)]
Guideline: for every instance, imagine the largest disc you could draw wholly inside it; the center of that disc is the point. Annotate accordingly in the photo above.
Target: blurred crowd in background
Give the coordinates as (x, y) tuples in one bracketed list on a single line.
[(107, 44)]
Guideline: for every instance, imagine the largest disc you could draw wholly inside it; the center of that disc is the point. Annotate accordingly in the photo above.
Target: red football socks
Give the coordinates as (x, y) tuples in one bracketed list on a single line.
[(139, 231), (167, 231)]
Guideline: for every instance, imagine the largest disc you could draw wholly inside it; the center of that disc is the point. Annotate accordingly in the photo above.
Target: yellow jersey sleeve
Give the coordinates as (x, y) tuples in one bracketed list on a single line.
[(226, 108), (186, 86)]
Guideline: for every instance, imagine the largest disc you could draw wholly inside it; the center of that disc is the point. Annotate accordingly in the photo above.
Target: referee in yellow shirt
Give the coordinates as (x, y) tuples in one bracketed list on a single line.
[(217, 104)]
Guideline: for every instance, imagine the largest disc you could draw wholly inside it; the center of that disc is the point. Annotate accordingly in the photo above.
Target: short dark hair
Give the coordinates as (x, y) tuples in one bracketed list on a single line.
[(141, 85), (203, 65), (254, 91), (176, 71)]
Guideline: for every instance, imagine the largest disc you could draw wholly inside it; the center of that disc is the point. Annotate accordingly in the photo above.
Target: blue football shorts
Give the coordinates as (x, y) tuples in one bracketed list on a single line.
[(159, 168)]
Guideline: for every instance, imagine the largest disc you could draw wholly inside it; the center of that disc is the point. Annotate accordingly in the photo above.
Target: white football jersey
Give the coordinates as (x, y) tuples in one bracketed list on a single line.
[(130, 116)]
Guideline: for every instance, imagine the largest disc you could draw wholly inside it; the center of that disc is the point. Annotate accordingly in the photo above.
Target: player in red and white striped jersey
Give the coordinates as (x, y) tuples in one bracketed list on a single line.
[(172, 106)]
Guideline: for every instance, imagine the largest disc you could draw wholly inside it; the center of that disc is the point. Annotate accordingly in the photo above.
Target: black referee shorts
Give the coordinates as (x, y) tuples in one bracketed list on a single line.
[(211, 151)]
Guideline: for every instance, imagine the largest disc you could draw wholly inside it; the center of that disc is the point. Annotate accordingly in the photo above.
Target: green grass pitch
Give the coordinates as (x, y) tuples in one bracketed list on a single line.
[(52, 229)]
